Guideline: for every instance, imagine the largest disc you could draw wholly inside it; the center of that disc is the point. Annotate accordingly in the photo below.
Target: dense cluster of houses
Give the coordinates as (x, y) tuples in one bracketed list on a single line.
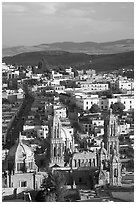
[(60, 102)]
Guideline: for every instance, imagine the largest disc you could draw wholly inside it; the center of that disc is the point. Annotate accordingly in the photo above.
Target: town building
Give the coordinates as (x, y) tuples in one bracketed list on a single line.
[(21, 171), (85, 103)]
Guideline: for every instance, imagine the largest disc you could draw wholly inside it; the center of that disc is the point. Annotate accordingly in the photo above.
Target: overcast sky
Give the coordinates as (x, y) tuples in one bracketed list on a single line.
[(36, 23)]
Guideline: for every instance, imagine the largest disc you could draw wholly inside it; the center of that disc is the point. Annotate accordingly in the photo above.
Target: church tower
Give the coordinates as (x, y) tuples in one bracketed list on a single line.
[(62, 141), (57, 145), (111, 140)]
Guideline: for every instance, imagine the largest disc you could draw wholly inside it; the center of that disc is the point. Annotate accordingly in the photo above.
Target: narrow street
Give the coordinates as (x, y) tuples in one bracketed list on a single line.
[(19, 120)]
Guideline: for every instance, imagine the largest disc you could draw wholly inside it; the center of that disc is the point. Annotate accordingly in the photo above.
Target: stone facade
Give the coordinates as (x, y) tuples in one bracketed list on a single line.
[(20, 169), (109, 158), (61, 141)]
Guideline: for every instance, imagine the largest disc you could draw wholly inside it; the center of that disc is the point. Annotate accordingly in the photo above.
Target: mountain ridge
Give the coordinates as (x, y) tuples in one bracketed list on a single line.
[(113, 47), (79, 60)]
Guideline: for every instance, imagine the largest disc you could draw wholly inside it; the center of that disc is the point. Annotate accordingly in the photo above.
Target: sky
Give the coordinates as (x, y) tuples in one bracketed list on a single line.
[(33, 23)]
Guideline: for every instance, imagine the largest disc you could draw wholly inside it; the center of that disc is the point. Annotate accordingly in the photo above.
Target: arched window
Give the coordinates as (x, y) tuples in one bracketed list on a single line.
[(20, 166), (75, 162), (59, 151), (115, 173), (90, 162), (94, 162), (54, 152), (79, 162)]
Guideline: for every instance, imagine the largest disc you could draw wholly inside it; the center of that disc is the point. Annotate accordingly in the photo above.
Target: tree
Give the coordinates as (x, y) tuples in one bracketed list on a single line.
[(107, 93), (117, 108), (94, 109), (53, 189)]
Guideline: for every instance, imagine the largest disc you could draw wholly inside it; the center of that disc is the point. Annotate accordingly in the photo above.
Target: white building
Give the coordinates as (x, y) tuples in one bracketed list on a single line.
[(94, 86), (13, 75), (60, 111), (59, 89), (42, 132), (124, 128), (86, 103), (56, 75), (126, 85), (127, 100)]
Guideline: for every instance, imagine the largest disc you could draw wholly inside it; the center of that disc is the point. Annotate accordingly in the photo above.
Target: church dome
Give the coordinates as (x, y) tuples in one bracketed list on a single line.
[(65, 134), (19, 150), (20, 154)]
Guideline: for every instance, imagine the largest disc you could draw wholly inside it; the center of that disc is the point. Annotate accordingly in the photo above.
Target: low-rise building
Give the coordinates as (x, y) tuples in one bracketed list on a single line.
[(126, 85), (42, 132), (85, 103)]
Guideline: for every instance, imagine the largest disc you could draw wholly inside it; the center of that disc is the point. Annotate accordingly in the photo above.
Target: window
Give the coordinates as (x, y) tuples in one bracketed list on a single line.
[(80, 180), (94, 162), (23, 183), (90, 162), (79, 162), (124, 102), (115, 173), (20, 166), (75, 162), (130, 101), (87, 102)]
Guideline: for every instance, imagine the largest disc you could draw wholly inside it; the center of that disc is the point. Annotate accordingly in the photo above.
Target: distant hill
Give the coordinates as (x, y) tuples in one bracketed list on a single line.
[(78, 60), (84, 47), (52, 57)]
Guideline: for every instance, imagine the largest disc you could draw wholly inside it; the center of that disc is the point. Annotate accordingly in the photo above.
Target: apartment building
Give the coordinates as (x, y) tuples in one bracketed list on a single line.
[(126, 85), (127, 100), (86, 103), (42, 132)]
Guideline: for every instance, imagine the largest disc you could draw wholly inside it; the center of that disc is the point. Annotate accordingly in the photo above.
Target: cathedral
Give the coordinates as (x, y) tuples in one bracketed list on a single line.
[(61, 140), (109, 158)]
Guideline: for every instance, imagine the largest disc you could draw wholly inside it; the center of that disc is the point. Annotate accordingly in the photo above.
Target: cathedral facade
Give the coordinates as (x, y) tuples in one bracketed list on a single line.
[(109, 158), (61, 141)]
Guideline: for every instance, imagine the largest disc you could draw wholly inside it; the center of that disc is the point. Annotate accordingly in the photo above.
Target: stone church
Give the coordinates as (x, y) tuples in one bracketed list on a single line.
[(109, 158), (21, 169), (61, 140)]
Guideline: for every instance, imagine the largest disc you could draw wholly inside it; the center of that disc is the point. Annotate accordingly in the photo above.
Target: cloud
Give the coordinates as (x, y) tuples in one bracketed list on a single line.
[(48, 8), (13, 8)]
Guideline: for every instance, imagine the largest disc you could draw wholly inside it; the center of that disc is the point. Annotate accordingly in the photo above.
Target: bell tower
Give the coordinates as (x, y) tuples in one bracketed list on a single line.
[(111, 140), (57, 145)]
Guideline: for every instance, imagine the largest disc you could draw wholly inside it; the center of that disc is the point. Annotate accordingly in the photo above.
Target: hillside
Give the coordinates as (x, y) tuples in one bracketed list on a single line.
[(119, 46), (52, 57), (78, 60)]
